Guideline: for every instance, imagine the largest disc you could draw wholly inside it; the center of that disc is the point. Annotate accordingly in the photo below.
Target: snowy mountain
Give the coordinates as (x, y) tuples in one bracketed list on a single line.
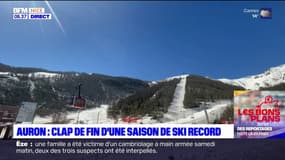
[(270, 78), (53, 88), (169, 98)]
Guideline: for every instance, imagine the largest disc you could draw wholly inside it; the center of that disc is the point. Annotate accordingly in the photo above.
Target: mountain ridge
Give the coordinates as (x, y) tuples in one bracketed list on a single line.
[(269, 78), (52, 88)]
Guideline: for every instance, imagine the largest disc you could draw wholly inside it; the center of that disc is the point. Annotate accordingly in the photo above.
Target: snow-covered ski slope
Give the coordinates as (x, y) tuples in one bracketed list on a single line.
[(176, 108), (89, 116), (214, 111), (177, 114), (99, 116)]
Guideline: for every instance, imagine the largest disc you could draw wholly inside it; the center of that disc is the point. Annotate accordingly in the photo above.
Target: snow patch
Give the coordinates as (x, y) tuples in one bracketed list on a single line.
[(9, 75), (177, 77), (32, 87), (271, 77), (89, 116), (43, 75)]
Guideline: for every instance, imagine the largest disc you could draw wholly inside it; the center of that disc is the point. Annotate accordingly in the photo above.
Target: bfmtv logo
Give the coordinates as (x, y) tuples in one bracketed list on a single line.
[(28, 10), (31, 14)]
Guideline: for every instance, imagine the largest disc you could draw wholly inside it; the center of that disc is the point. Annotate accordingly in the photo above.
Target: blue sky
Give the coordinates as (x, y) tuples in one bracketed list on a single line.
[(146, 40)]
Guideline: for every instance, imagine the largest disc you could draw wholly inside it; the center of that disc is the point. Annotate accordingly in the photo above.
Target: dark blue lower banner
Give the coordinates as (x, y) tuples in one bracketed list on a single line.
[(180, 149)]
